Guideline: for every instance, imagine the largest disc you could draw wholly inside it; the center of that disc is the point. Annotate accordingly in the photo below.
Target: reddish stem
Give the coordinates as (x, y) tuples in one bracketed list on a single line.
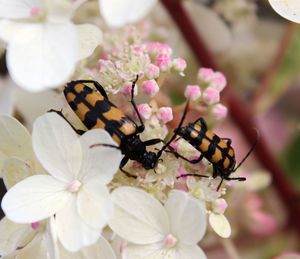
[(238, 111)]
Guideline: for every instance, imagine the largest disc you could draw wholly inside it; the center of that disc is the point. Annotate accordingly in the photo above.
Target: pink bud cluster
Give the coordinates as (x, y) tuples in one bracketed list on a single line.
[(164, 114), (207, 91)]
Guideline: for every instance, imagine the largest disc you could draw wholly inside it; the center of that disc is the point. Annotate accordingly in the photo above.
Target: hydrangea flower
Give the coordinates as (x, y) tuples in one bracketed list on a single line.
[(156, 231), (117, 13), (289, 9), (75, 191), (43, 45)]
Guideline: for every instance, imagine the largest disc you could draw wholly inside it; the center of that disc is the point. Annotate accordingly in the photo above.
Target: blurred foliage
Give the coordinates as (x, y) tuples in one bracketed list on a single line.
[(290, 160), (288, 70)]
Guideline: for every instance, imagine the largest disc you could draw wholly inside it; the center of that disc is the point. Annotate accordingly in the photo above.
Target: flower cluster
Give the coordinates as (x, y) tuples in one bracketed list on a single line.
[(67, 196)]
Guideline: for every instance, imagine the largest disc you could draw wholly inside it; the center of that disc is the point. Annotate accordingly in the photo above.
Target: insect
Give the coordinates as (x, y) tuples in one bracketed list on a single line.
[(216, 150), (96, 111)]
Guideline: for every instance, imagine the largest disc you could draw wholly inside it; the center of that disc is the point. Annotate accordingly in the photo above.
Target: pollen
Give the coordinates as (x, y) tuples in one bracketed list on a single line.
[(170, 241), (74, 186)]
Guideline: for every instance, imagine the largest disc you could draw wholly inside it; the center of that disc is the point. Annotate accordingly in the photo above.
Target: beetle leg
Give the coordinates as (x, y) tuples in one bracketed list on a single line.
[(78, 131), (193, 161), (122, 164), (153, 141), (104, 145), (141, 127), (236, 178), (197, 175)]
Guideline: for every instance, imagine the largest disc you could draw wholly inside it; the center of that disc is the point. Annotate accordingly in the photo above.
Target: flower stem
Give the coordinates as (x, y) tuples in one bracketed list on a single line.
[(239, 112)]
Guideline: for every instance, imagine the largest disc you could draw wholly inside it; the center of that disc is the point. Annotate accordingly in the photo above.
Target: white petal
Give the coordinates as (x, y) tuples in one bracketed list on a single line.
[(11, 235), (32, 105), (15, 139), (6, 94), (57, 146), (101, 250), (72, 232), (43, 56), (187, 216), (121, 12), (18, 8), (37, 248), (15, 170), (34, 199), (190, 252), (138, 217), (51, 239), (151, 251), (90, 36), (289, 9), (220, 225), (98, 162), (94, 204)]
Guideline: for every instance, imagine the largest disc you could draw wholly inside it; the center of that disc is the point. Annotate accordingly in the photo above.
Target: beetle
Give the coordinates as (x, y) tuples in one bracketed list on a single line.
[(216, 150), (96, 111)]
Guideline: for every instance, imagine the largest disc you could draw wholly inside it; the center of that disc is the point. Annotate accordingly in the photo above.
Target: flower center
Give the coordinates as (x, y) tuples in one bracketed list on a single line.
[(170, 241), (74, 186), (35, 225)]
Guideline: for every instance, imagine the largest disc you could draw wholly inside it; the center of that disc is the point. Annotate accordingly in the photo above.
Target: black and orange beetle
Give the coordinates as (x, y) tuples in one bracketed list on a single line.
[(96, 111), (216, 150)]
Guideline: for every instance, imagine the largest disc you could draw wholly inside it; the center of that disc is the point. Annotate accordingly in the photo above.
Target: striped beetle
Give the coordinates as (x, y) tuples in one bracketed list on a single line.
[(216, 150), (96, 111)]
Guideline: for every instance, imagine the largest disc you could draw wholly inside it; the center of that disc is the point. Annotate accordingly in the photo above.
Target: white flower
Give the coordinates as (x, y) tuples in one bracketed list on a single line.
[(155, 231), (17, 160), (120, 12), (43, 44), (289, 9), (75, 191), (39, 240)]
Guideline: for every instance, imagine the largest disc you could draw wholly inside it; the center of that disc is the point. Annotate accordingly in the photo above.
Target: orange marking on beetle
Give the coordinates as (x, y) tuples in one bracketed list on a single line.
[(226, 163), (194, 134), (114, 114), (217, 156), (81, 111), (204, 145), (231, 152), (222, 144), (79, 87), (94, 97), (99, 124), (128, 128), (197, 127), (209, 134)]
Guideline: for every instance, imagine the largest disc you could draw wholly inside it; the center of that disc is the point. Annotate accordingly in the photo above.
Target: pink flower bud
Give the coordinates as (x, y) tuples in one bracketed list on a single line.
[(35, 11), (179, 64), (262, 223), (126, 89), (219, 111), (144, 110), (192, 92), (219, 206), (211, 95), (152, 71), (35, 225), (163, 61), (205, 74), (219, 81), (165, 114), (150, 87)]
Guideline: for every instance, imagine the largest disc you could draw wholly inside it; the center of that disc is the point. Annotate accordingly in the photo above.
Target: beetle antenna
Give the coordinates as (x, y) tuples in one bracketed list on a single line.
[(249, 152), (176, 131)]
